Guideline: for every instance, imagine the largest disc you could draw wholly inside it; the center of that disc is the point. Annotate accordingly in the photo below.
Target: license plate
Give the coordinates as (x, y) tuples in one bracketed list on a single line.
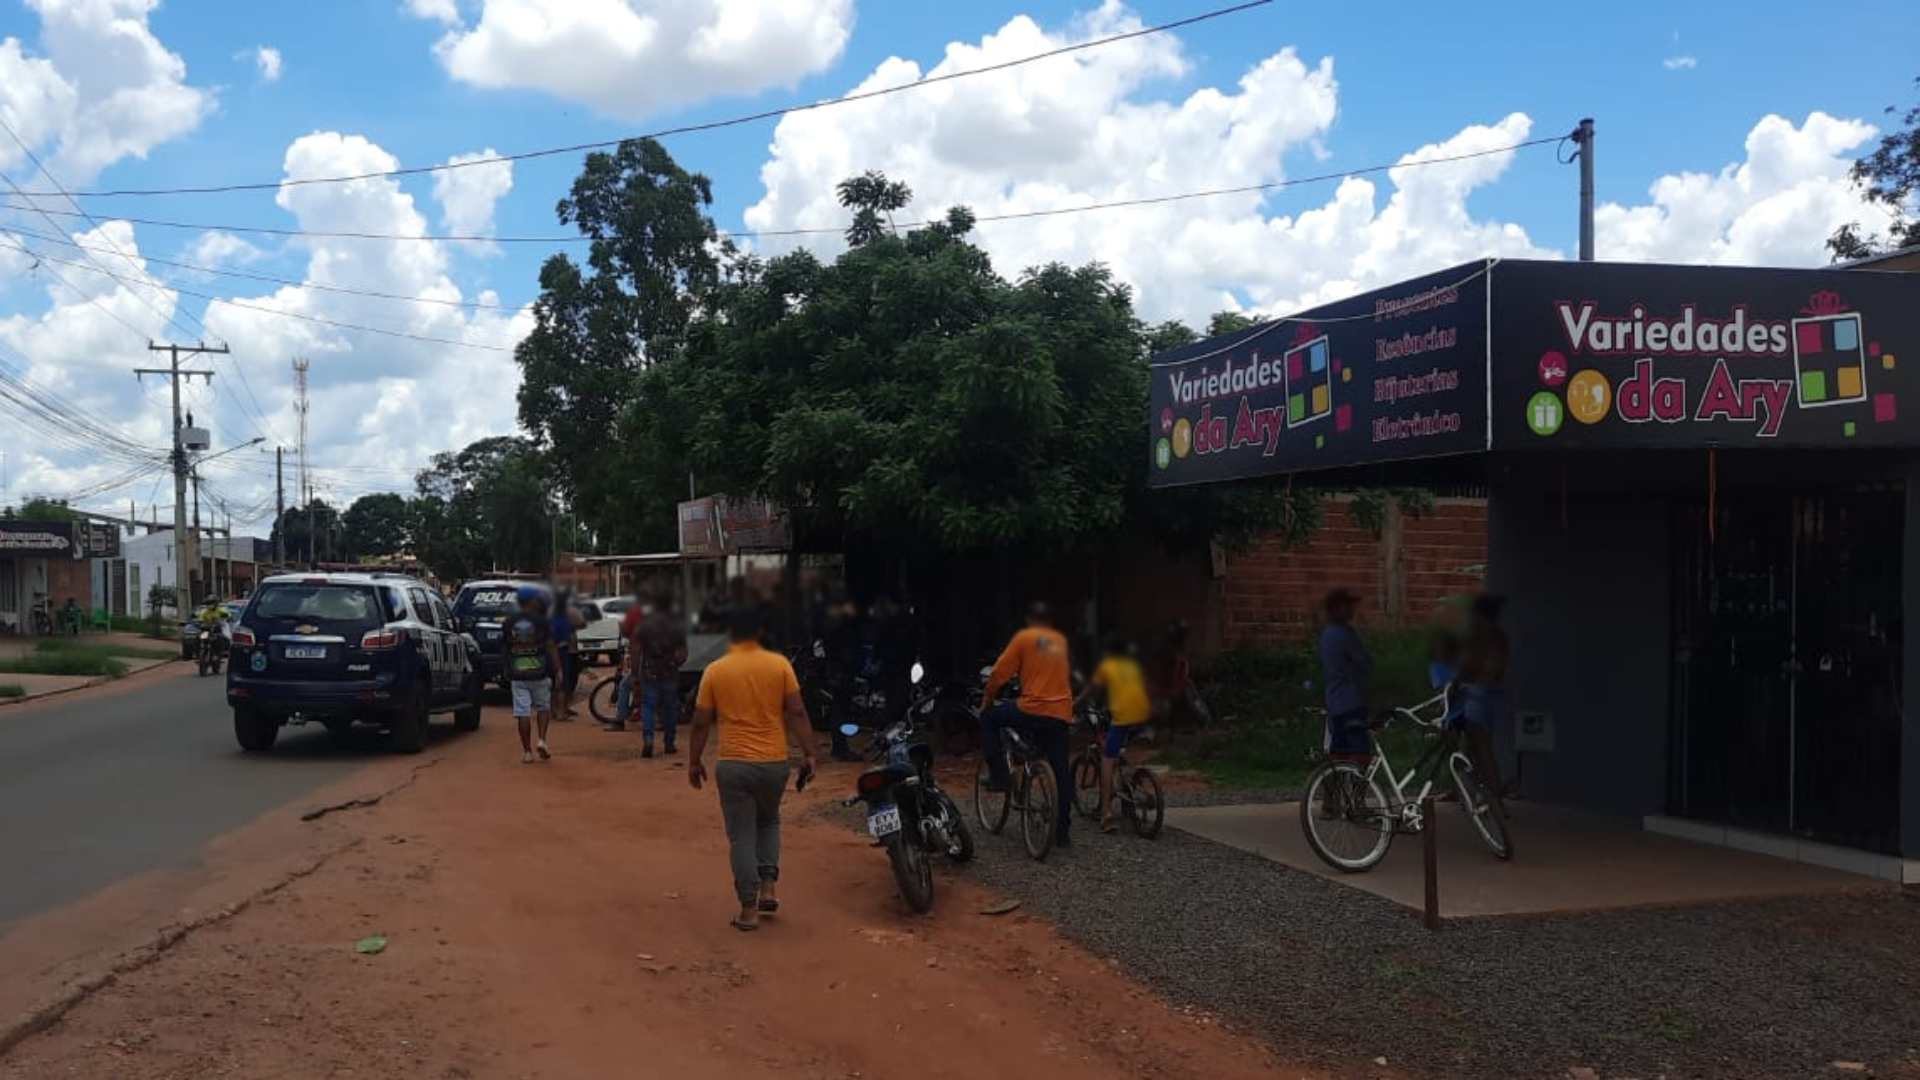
[(884, 822), (306, 652)]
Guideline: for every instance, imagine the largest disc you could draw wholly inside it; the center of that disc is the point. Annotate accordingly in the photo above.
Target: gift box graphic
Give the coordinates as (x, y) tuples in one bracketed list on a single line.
[(1309, 381), (1829, 359)]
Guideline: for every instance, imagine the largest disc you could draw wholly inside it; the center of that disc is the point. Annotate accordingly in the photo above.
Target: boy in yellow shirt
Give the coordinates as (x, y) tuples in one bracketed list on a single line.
[(1120, 676)]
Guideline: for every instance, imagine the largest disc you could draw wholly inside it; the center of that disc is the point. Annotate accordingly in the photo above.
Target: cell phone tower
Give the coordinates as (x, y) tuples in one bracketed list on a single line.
[(300, 406)]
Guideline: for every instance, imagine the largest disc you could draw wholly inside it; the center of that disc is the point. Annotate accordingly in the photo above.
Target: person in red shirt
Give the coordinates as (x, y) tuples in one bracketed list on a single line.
[(1037, 656), (629, 661)]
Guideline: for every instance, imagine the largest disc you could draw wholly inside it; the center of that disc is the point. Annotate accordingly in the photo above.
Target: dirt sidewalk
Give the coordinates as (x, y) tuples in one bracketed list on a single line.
[(570, 920)]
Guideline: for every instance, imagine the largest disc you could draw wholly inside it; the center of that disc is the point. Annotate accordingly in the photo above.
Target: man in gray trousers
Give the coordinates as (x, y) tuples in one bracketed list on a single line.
[(752, 694)]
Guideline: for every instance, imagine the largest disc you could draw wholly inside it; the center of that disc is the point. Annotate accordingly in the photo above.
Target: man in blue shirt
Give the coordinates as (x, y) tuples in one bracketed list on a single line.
[(1345, 668)]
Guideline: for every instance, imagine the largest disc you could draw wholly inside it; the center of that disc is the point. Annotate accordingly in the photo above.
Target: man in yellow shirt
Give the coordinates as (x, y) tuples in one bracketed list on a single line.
[(752, 694), (1120, 676), (1037, 656)]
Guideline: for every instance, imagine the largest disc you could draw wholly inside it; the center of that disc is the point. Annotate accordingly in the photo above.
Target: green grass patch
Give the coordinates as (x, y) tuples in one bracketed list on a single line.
[(78, 646), (1269, 723), (62, 663), (12, 690)]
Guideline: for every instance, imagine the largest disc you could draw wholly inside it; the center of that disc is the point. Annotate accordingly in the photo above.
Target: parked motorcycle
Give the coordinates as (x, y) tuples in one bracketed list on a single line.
[(210, 650), (907, 812)]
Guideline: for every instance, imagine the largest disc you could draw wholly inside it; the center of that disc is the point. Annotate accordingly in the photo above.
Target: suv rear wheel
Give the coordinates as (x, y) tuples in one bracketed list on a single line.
[(255, 731), (467, 716), (410, 724)]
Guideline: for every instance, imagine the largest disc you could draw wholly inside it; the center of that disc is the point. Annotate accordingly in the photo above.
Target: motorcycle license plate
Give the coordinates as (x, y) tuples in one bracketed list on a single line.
[(884, 822), (306, 652)]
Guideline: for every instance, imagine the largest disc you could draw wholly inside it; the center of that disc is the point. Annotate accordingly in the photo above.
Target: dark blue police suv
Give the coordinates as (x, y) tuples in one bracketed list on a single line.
[(344, 648)]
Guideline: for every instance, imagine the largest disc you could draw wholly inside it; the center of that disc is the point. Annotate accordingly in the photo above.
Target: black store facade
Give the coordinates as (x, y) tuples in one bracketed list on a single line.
[(1704, 509)]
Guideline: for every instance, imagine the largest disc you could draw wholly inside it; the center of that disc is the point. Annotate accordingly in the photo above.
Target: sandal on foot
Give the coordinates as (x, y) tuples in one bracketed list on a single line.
[(768, 905), (743, 925)]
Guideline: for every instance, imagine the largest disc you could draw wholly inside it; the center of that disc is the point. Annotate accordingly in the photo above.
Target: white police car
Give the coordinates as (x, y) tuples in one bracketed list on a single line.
[(344, 648)]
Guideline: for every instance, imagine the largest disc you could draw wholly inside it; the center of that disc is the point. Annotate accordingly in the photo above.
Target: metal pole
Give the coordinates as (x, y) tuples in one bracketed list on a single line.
[(1430, 856), (279, 508), (1584, 136), (195, 568)]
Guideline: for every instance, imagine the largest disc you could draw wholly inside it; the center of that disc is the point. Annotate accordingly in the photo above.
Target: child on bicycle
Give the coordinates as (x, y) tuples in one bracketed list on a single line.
[(1125, 684)]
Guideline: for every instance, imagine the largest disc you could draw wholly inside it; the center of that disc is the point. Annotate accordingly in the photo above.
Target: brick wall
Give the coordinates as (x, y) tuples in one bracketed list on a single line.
[(1272, 594), (69, 577)]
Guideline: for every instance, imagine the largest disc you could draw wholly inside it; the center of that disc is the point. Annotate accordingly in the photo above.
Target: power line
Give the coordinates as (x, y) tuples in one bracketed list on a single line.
[(211, 298), (688, 129), (749, 234), (165, 318), (273, 279)]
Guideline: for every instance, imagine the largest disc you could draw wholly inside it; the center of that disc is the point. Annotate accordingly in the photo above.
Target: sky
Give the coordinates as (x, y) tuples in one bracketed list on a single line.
[(1724, 135)]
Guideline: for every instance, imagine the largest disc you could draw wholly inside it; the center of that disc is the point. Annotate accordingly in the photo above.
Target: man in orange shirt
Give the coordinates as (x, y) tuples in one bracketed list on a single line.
[(1037, 656), (752, 694)]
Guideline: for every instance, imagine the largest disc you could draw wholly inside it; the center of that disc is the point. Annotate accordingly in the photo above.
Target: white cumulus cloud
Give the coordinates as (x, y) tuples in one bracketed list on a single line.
[(217, 247), (436, 10), (104, 88), (1680, 63), (467, 195), (629, 58), (1776, 208), (1088, 129), (267, 59)]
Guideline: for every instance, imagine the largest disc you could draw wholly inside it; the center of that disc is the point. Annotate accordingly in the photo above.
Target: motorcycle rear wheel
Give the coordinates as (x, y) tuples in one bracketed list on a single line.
[(912, 870)]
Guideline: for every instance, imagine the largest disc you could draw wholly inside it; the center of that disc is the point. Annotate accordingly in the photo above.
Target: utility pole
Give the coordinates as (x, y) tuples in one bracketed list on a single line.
[(279, 508), (300, 406), (182, 598), (1583, 135)]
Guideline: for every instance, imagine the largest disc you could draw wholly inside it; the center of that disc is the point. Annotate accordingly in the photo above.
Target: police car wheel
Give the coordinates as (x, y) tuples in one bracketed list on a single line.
[(254, 731), (467, 717), (410, 725)]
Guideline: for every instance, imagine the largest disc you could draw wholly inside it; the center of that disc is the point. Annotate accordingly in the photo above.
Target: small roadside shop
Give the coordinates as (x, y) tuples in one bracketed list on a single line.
[(1704, 510)]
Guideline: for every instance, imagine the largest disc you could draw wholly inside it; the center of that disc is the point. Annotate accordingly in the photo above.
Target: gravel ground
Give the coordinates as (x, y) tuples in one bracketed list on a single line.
[(1332, 975)]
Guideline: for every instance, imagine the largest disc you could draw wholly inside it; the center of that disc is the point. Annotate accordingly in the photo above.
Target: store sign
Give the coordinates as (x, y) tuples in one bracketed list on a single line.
[(1390, 374), (1617, 356), (728, 525), (37, 538)]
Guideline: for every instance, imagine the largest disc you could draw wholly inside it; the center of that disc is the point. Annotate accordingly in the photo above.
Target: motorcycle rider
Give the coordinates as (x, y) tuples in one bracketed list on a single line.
[(214, 617), (1037, 656)]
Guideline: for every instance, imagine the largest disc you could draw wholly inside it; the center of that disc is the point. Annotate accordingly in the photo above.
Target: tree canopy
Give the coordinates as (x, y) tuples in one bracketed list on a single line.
[(484, 507), (379, 524), (318, 520), (905, 393), (40, 509), (1890, 178)]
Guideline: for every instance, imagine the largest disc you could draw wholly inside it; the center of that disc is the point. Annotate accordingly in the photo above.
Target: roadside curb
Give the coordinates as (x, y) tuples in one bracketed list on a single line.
[(45, 1016), (98, 680)]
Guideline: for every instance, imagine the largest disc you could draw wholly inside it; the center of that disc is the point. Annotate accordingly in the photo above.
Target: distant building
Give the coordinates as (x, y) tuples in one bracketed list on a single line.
[(43, 564)]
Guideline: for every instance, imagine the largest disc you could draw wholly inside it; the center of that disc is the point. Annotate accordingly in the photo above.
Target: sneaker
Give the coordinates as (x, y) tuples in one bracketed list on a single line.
[(526, 757), (672, 749), (646, 751), (542, 749)]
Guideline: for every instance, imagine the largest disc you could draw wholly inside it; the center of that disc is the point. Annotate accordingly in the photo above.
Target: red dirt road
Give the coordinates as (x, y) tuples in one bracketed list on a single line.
[(570, 920)]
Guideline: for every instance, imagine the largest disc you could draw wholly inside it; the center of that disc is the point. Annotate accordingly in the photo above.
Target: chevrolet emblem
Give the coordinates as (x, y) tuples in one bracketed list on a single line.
[(305, 629)]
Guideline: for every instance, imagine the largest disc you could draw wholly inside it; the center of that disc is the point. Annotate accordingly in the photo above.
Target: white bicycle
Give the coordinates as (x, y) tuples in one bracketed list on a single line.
[(1350, 817)]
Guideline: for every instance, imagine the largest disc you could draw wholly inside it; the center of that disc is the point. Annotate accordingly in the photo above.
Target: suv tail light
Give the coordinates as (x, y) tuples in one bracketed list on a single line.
[(381, 639), (243, 636)]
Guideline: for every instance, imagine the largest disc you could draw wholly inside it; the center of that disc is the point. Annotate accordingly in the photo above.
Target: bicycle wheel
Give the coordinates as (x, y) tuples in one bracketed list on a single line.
[(601, 703), (990, 807), (1346, 817), (1145, 808), (1477, 803), (1086, 783), (1039, 809)]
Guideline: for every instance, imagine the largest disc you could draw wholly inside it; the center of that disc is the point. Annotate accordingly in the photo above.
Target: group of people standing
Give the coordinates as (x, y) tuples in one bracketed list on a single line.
[(1474, 668)]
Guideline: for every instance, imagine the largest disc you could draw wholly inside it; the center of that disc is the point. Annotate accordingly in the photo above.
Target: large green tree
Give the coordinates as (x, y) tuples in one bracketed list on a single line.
[(484, 507), (36, 508), (1890, 178), (598, 325), (380, 524), (317, 522)]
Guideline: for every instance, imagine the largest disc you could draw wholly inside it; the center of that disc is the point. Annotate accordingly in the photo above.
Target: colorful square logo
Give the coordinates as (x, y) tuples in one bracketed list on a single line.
[(1830, 365), (1309, 382)]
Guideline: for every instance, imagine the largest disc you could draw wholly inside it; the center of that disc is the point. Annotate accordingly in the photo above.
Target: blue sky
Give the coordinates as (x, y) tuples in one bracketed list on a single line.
[(1675, 89)]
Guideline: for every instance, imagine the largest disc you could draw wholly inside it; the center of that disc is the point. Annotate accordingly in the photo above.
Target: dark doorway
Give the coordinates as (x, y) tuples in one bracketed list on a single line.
[(1785, 712)]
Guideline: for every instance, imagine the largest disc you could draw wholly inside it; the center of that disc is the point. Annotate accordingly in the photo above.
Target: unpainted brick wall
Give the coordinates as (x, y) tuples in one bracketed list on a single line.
[(1272, 594)]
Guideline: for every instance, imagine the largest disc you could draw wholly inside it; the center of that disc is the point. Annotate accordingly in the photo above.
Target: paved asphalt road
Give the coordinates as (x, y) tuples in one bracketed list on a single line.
[(98, 787)]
